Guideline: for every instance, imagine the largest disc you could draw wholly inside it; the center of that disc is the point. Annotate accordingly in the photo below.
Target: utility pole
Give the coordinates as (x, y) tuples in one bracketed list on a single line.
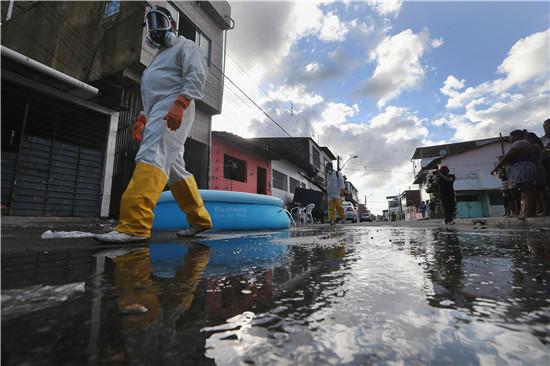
[(338, 162)]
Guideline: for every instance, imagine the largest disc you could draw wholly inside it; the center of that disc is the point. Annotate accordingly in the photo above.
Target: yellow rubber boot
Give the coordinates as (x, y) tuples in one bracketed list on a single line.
[(189, 200), (139, 200)]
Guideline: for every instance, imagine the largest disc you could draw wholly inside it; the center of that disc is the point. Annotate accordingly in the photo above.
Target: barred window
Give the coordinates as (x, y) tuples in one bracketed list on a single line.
[(293, 184), (280, 180), (234, 169)]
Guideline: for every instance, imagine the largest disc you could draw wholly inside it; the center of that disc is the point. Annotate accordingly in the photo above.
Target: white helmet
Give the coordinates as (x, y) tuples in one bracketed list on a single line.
[(158, 21)]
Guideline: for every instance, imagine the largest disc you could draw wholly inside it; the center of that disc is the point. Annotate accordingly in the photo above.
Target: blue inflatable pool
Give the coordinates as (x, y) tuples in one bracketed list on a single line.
[(228, 210)]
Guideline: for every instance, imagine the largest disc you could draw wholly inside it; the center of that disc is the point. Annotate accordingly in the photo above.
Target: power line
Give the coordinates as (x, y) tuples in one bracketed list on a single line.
[(253, 102)]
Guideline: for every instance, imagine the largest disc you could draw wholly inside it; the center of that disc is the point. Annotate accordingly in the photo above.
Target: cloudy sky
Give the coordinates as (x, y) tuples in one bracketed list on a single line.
[(379, 79)]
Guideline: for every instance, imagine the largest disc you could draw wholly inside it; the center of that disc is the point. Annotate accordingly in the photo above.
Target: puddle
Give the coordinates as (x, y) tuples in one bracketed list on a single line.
[(353, 295)]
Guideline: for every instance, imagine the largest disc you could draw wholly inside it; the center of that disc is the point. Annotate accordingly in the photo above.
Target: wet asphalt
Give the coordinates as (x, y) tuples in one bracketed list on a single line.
[(315, 295)]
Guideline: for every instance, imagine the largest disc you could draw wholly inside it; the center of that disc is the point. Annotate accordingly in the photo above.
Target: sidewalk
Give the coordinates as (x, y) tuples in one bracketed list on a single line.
[(542, 223)]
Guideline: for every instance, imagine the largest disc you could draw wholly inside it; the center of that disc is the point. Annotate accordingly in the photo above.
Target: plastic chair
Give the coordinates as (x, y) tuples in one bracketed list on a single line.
[(304, 213)]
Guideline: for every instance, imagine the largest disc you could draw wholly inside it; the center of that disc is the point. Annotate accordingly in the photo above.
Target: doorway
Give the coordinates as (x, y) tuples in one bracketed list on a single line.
[(262, 183)]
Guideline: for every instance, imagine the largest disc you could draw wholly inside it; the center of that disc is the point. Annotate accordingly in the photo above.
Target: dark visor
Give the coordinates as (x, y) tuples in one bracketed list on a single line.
[(157, 21)]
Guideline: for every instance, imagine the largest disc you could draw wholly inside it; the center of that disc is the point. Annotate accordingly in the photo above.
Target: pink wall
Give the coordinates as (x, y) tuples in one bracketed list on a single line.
[(219, 148)]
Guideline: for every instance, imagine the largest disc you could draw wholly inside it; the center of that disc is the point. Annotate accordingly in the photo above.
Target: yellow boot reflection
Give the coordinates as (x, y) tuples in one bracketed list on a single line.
[(136, 286)]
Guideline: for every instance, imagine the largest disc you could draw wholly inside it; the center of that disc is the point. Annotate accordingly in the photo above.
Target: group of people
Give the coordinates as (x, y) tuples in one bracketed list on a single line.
[(525, 174)]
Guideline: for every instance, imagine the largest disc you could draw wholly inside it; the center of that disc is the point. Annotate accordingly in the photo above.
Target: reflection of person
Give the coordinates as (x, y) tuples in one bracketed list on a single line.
[(446, 193), (423, 209), (165, 300), (335, 192), (169, 87), (135, 284)]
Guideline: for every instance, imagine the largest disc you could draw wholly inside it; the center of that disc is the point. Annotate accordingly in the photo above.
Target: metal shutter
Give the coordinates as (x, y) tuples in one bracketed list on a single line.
[(59, 167)]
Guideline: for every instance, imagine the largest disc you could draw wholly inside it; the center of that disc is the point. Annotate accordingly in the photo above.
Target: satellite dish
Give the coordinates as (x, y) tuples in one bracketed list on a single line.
[(442, 152)]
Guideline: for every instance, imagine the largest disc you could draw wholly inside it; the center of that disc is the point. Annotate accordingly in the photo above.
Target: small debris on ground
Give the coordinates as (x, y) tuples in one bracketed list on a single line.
[(134, 309)]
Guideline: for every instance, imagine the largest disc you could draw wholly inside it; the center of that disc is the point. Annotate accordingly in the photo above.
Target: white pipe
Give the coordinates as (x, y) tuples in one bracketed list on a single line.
[(10, 10), (86, 89)]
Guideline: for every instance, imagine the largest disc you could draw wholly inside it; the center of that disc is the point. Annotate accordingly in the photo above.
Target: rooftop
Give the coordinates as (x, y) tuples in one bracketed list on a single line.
[(436, 151)]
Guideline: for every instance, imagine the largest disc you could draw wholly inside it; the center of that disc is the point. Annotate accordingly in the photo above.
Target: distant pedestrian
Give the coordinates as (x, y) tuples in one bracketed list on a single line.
[(446, 193), (335, 192), (423, 209)]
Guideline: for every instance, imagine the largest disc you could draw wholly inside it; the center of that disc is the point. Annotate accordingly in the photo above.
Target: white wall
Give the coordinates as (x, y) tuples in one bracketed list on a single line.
[(472, 168), (290, 170)]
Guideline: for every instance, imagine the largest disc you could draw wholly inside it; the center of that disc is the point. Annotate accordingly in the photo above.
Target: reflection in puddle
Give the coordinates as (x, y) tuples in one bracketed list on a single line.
[(359, 296)]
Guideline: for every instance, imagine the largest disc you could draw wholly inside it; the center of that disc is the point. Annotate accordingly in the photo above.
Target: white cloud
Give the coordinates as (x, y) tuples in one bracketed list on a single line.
[(332, 29), (335, 113), (519, 99), (312, 67), (528, 59), (296, 94), (398, 65), (386, 7), (437, 42), (452, 86), (384, 144)]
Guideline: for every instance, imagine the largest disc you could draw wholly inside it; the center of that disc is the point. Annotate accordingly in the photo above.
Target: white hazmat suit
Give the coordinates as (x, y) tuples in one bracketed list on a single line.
[(177, 71)]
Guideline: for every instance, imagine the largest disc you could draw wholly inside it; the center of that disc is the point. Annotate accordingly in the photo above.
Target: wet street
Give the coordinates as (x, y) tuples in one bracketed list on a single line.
[(326, 296)]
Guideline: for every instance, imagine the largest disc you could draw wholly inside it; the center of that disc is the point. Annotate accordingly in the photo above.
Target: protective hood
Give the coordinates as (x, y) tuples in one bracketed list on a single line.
[(159, 27)]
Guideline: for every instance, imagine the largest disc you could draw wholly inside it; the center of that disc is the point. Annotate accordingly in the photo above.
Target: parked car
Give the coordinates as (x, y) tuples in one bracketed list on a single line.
[(365, 216), (350, 211)]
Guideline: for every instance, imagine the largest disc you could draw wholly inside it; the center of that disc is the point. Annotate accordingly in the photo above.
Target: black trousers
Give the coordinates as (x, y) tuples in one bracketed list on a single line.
[(448, 204)]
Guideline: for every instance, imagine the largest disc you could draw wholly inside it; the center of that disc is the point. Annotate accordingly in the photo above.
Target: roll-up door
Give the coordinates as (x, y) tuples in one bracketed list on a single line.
[(54, 164)]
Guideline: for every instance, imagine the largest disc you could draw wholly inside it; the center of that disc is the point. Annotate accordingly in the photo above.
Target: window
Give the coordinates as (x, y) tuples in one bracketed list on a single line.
[(112, 8), (186, 28), (280, 181), (303, 185), (316, 158), (293, 184), (205, 45), (234, 169)]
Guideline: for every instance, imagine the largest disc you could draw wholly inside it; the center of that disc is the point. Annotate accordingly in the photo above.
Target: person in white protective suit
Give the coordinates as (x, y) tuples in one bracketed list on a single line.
[(169, 87), (335, 192)]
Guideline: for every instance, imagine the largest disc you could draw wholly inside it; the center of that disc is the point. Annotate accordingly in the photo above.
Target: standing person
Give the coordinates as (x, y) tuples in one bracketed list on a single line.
[(335, 192), (423, 209), (546, 151), (506, 194), (537, 156), (169, 87), (521, 171), (446, 192)]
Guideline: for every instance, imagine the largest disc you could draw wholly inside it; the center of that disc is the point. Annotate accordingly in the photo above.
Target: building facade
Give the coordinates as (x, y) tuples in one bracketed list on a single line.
[(70, 77), (477, 191), (302, 164), (239, 164), (410, 204)]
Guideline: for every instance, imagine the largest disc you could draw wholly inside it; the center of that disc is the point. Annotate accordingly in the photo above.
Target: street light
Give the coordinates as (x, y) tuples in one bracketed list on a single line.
[(347, 161)]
